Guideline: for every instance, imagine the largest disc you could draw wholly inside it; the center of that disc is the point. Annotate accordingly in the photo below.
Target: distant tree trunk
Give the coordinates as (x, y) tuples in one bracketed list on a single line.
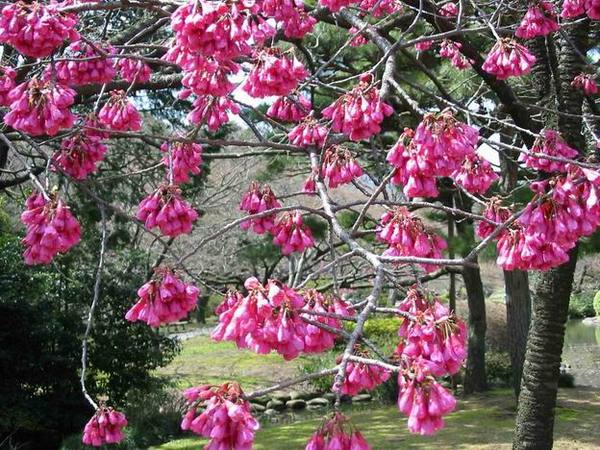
[(518, 317), (475, 376)]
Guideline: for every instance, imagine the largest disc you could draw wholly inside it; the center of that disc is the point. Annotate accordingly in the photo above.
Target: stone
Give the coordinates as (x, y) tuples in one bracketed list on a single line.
[(282, 397), (361, 398), (314, 407), (295, 395), (261, 400), (257, 407), (296, 404), (276, 405), (320, 401), (329, 396)]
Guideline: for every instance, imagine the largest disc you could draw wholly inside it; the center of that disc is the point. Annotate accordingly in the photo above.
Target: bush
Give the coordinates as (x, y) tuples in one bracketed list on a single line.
[(582, 305), (498, 368), (596, 304), (316, 363)]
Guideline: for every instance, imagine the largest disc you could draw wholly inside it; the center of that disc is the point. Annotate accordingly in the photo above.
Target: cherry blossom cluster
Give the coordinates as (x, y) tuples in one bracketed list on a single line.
[(119, 114), (269, 318), (539, 20), (360, 376), (576, 8), (379, 8), (274, 74), (451, 50), (134, 70), (550, 143), (508, 58), (296, 22), (586, 83), (255, 201), (221, 414), (433, 344), (7, 84), (475, 174), (309, 133), (214, 111), (39, 107), (357, 40), (51, 229), (163, 299), (105, 427), (209, 78), (291, 234), (423, 46), (449, 10), (339, 166), (36, 29), (166, 209), (85, 65), (182, 158), (337, 433), (359, 113), (336, 5), (407, 236), (290, 108), (495, 212), (79, 155)]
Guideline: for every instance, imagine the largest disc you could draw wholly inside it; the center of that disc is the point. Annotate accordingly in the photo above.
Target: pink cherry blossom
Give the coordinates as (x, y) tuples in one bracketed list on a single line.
[(337, 433), (475, 174), (163, 299), (310, 184), (540, 20), (586, 83), (119, 114), (274, 74), (40, 107), (210, 77), (221, 414), (336, 5), (361, 376), (308, 133), (449, 10), (299, 25), (79, 155), (7, 84), (507, 59), (379, 8), (167, 210), (357, 39), (51, 229), (359, 113), (573, 8), (291, 108), (183, 158), (339, 166), (423, 46), (552, 144), (36, 29), (105, 427), (451, 50), (255, 201), (291, 234), (495, 212), (214, 111), (86, 65), (134, 70)]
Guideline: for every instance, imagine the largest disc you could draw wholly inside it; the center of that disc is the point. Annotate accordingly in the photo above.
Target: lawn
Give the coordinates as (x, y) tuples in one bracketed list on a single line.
[(481, 422)]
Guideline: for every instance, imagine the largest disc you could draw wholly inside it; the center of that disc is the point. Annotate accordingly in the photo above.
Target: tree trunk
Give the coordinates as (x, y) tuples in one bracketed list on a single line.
[(539, 385), (518, 317)]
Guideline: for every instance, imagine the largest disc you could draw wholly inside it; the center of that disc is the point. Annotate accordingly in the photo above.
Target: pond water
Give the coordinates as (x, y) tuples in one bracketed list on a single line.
[(581, 352)]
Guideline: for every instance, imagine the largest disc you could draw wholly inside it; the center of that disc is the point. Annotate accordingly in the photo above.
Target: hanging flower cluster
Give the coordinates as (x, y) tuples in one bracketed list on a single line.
[(290, 108), (86, 65), (309, 133), (357, 39), (423, 46), (552, 144), (586, 83), (36, 29), (495, 212), (183, 158), (51, 229), (214, 111), (337, 433), (575, 8), (360, 376), (475, 174), (209, 78), (539, 20), (379, 8), (134, 70), (336, 5), (119, 114), (407, 236), (268, 319), (40, 107), (79, 155), (105, 427), (449, 10), (255, 201), (451, 50), (296, 23), (359, 113), (433, 344), (508, 58), (339, 166), (167, 210), (7, 84), (274, 74), (163, 299), (291, 234), (222, 414)]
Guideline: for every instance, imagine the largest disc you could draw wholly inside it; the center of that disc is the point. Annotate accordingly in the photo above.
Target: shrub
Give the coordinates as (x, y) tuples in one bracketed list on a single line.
[(582, 305), (498, 368), (316, 363), (596, 304)]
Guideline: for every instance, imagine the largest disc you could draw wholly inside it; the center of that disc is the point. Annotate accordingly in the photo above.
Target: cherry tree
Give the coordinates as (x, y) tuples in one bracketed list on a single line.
[(491, 84)]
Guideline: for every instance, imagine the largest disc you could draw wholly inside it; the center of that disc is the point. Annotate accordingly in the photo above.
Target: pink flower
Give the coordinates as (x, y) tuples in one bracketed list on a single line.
[(357, 39), (51, 229), (7, 84), (40, 107), (586, 83), (451, 50), (134, 70), (167, 210), (291, 234), (552, 144), (290, 108), (86, 65), (495, 212), (255, 201), (298, 26), (360, 376), (36, 29), (508, 59), (339, 166), (274, 74), (214, 111), (359, 113), (222, 414), (119, 114), (475, 174), (79, 155), (573, 8), (337, 433), (540, 20), (336, 5), (379, 8), (105, 427), (449, 10), (308, 133), (423, 46), (163, 299), (183, 158), (209, 78)]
